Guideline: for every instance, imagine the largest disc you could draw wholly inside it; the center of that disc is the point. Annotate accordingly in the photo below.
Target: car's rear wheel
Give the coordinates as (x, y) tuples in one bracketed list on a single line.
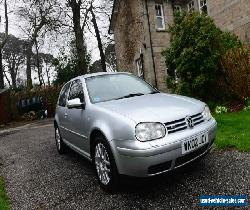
[(61, 147), (105, 166)]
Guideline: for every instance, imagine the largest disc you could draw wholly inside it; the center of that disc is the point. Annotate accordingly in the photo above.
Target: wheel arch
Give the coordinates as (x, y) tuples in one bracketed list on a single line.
[(95, 132)]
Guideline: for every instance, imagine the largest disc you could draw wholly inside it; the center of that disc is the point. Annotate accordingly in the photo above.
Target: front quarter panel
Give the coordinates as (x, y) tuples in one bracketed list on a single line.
[(111, 124)]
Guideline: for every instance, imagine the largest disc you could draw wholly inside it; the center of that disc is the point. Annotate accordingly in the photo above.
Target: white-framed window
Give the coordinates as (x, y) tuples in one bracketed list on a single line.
[(177, 8), (139, 66), (190, 6), (203, 6), (160, 20)]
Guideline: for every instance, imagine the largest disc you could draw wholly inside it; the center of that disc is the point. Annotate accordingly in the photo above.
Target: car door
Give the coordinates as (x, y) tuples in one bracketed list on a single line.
[(77, 117), (62, 112)]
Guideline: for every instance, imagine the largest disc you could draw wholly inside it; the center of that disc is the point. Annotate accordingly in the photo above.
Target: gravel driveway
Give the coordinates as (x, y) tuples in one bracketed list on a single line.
[(39, 178)]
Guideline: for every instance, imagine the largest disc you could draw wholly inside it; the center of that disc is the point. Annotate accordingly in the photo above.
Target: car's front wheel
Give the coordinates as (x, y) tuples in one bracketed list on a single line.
[(105, 166), (61, 147)]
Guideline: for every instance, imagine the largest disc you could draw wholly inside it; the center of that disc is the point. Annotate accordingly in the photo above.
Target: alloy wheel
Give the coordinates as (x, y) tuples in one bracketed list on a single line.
[(102, 164)]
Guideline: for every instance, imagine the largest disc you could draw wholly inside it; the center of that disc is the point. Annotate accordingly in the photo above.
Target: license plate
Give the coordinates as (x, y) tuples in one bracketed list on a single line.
[(194, 143)]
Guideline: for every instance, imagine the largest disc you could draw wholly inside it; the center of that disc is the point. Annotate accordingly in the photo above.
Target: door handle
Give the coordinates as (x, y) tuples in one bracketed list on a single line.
[(65, 115)]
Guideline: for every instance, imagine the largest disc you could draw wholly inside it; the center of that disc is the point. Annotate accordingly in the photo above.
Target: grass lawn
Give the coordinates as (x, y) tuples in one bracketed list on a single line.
[(233, 131), (4, 201)]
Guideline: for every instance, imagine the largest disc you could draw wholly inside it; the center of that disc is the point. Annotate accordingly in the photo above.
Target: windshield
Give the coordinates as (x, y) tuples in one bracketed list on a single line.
[(116, 86)]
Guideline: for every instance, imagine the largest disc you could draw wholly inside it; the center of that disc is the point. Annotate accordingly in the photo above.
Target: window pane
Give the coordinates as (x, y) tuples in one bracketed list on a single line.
[(177, 8), (159, 22), (203, 6), (158, 10)]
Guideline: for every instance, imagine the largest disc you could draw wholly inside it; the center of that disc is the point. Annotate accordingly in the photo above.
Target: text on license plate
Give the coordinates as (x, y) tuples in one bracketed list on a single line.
[(194, 143)]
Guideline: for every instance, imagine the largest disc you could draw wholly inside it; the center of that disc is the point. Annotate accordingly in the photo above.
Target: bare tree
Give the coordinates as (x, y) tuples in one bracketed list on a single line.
[(14, 56), (95, 10), (111, 57), (46, 64), (76, 7), (38, 64), (98, 37), (2, 44), (42, 16)]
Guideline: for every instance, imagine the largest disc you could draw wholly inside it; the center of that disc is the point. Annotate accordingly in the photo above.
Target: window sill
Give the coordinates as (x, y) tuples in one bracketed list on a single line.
[(161, 30)]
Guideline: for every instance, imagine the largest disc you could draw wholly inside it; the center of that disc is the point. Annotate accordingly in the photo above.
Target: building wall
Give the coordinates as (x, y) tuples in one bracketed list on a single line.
[(132, 32), (135, 32), (160, 39), (232, 15)]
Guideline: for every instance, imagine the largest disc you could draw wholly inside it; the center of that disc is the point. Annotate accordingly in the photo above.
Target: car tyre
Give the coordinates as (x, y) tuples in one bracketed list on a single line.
[(105, 166), (60, 145)]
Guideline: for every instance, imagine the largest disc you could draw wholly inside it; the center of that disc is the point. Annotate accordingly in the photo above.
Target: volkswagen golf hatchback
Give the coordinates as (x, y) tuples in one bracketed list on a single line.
[(125, 126)]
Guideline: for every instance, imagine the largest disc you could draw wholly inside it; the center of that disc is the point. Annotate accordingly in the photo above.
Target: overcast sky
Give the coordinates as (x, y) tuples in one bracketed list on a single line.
[(51, 46)]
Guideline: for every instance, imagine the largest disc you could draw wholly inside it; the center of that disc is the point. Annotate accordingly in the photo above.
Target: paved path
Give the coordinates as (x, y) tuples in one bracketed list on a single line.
[(39, 178)]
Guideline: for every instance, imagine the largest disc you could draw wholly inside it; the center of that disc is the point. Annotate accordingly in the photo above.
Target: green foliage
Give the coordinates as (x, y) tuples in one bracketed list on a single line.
[(4, 201), (66, 65), (248, 101), (66, 69), (193, 56)]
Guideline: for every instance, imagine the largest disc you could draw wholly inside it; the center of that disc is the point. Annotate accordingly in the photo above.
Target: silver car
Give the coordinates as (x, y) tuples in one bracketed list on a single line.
[(125, 126)]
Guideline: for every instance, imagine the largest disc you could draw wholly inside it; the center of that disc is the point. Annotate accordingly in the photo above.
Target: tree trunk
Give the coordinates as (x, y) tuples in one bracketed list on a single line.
[(1, 70), (3, 43), (99, 40), (80, 48), (7, 78), (39, 70), (47, 73), (28, 67), (13, 77)]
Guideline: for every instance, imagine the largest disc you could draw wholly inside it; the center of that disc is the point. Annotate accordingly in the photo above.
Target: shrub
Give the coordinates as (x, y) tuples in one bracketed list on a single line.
[(193, 56), (236, 67)]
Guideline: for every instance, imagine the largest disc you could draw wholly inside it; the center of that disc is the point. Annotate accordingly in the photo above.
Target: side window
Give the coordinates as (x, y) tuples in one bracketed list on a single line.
[(76, 90), (63, 95)]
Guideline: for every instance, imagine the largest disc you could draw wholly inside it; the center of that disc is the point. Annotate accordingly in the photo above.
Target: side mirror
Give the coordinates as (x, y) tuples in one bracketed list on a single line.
[(75, 103)]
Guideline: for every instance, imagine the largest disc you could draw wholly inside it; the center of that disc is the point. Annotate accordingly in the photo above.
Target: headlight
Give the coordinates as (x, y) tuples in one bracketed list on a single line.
[(149, 131), (206, 113)]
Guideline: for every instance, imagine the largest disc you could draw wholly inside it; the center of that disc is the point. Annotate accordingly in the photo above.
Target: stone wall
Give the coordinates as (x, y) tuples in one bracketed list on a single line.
[(232, 15), (160, 40), (132, 38), (133, 32)]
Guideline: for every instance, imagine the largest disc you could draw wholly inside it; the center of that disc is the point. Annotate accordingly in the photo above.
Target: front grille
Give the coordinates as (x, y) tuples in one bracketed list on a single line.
[(160, 167), (185, 158), (181, 124), (198, 119)]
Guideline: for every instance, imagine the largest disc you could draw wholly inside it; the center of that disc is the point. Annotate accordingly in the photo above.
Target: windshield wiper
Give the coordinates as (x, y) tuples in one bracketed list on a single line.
[(155, 91), (131, 95)]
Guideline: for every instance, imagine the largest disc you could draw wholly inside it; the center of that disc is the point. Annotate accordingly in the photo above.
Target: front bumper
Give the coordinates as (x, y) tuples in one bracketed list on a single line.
[(143, 159)]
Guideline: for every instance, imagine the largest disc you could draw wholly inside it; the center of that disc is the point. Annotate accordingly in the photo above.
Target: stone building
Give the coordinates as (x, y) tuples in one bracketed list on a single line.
[(139, 28)]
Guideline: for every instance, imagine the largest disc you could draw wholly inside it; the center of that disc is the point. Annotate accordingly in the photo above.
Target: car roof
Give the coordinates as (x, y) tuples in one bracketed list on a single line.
[(99, 74)]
